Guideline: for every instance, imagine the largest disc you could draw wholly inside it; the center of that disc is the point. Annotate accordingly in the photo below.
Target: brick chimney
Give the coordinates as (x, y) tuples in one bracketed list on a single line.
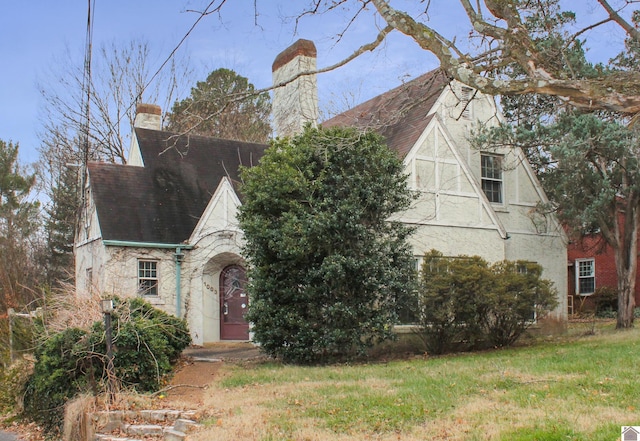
[(295, 103), (148, 116)]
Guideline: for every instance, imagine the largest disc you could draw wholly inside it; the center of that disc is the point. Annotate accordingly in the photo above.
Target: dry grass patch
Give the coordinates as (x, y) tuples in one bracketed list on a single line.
[(66, 310), (584, 389)]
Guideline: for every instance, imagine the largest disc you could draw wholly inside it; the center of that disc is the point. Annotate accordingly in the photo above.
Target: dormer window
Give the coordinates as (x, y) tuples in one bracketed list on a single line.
[(491, 172)]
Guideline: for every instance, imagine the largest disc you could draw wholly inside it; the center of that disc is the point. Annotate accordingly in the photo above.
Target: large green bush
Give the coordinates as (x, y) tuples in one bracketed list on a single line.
[(518, 297), (451, 301), (146, 343), (63, 368), (465, 303), (328, 268)]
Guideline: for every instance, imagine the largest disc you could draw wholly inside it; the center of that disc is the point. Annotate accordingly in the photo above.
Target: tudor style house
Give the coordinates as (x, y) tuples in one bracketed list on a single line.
[(164, 225)]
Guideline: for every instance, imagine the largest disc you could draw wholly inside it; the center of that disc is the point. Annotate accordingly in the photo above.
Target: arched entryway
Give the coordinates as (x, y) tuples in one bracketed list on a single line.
[(233, 304)]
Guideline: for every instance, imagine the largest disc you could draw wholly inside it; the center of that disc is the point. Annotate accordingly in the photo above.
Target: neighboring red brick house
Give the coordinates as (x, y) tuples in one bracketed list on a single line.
[(592, 266)]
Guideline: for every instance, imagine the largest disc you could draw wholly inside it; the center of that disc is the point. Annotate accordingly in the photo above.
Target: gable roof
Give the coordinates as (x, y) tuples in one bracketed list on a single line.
[(163, 201), (399, 115)]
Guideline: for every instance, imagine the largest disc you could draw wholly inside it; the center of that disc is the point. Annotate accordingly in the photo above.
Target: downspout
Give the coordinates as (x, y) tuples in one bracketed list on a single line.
[(179, 257)]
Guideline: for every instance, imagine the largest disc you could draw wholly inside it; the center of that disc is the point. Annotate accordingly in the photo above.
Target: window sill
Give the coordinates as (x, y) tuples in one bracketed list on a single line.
[(154, 300), (500, 208)]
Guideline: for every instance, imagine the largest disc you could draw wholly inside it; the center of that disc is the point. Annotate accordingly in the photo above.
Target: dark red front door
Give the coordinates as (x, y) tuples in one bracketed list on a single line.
[(233, 304)]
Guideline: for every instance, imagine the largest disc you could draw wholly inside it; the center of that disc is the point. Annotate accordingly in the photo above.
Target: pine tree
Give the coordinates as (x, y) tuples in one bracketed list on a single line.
[(18, 231), (225, 105)]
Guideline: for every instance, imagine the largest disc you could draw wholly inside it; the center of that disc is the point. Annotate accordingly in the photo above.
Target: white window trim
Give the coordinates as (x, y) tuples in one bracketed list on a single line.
[(501, 180), (156, 278), (578, 277)]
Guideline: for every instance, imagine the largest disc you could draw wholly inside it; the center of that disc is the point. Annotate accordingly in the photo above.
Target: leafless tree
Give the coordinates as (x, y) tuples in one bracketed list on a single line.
[(119, 80), (121, 77)]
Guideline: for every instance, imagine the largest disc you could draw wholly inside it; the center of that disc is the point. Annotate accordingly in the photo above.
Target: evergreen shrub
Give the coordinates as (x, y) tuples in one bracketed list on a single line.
[(146, 341), (328, 268), (466, 304)]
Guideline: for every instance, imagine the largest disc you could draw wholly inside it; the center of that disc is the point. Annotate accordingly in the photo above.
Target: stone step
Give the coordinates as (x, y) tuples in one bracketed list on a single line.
[(185, 425), (174, 435), (167, 425), (142, 429), (103, 437), (165, 434)]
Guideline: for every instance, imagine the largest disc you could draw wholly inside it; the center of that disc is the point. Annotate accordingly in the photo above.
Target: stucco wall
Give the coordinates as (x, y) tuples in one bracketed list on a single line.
[(453, 216), (121, 274), (454, 241), (551, 253), (90, 262), (90, 255)]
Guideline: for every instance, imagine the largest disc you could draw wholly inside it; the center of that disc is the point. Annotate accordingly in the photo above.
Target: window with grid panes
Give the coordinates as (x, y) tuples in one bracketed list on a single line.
[(585, 277), (148, 277), (491, 173)]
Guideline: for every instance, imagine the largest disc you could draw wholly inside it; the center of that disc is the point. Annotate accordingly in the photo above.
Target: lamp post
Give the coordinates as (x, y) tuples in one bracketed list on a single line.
[(107, 309)]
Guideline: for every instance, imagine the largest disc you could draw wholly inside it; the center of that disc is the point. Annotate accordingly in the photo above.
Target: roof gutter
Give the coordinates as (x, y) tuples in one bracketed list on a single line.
[(126, 243), (179, 257)]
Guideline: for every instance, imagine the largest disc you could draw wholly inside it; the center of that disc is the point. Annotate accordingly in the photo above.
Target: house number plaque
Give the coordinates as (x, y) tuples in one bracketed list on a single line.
[(210, 288)]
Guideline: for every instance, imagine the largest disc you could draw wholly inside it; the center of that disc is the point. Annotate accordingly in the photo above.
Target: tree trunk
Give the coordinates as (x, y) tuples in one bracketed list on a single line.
[(626, 258), (626, 300)]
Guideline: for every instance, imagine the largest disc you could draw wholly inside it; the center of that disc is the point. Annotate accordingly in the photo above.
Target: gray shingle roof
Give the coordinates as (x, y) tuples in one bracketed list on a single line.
[(163, 201)]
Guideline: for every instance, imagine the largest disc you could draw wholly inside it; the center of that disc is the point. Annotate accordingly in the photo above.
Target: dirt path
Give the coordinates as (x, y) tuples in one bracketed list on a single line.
[(188, 385), (200, 368)]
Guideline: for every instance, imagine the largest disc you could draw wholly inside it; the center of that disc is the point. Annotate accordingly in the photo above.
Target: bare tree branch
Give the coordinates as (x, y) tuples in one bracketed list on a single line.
[(619, 92), (613, 15)]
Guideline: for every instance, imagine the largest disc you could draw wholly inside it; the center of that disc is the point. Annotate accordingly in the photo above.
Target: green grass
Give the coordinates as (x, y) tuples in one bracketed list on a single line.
[(578, 389)]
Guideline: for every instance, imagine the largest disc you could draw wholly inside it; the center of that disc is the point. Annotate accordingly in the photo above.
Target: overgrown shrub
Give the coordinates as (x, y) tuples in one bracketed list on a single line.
[(62, 369), (12, 381), (17, 335), (466, 304), (146, 342), (517, 297), (451, 301)]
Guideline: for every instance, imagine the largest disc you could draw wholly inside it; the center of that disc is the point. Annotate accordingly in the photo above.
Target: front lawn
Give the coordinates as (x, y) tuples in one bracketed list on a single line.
[(578, 388)]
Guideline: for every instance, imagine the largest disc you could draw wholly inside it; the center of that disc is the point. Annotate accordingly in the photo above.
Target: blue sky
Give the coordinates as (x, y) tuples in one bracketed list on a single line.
[(34, 34)]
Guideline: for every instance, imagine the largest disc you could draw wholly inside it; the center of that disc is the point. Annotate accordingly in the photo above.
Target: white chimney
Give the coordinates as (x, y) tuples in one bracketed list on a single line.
[(296, 103), (148, 116)]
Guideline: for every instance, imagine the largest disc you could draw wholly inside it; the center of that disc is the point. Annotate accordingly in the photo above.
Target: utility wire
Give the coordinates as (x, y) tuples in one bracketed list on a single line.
[(86, 80), (86, 108), (169, 57)]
